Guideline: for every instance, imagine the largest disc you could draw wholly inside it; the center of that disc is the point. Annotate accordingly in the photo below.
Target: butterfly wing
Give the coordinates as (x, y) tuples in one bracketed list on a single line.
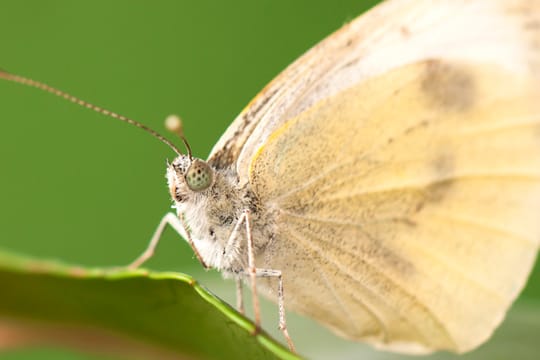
[(407, 206), (392, 34), (401, 160)]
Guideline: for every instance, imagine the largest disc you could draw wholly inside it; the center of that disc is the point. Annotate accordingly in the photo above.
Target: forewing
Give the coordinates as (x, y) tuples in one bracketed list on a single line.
[(407, 205), (392, 34)]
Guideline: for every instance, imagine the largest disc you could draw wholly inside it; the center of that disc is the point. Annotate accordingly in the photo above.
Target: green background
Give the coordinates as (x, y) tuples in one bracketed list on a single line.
[(87, 189)]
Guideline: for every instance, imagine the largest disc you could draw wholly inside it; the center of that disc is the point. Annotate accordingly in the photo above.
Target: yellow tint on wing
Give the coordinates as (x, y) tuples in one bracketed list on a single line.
[(407, 206)]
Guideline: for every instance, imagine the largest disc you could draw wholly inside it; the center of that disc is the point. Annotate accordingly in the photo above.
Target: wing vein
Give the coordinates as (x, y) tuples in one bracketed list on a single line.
[(375, 269), (469, 222), (368, 308), (527, 122), (420, 186), (432, 254)]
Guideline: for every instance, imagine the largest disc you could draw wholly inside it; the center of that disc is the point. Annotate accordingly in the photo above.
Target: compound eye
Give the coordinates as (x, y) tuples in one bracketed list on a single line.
[(199, 176)]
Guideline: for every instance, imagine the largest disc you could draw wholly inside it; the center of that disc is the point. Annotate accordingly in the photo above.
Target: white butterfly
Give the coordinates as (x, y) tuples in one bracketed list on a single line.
[(388, 181)]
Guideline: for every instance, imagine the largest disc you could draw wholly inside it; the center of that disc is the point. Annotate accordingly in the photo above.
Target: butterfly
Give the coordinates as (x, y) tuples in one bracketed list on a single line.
[(398, 165), (387, 183)]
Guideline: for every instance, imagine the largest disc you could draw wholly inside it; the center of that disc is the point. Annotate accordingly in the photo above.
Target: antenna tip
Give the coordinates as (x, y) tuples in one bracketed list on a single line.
[(174, 124)]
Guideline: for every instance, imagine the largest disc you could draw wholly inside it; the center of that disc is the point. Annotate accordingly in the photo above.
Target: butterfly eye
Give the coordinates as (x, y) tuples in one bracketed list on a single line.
[(199, 176)]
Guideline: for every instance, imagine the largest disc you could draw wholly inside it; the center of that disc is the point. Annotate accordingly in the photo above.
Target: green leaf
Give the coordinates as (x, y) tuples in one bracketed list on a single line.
[(165, 312)]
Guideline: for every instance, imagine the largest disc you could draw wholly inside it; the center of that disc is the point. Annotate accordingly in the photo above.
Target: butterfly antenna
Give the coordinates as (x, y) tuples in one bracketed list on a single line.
[(186, 144), (174, 124), (36, 84)]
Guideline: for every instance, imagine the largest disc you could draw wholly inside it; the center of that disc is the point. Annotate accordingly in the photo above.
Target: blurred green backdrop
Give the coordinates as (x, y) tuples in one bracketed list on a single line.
[(87, 189)]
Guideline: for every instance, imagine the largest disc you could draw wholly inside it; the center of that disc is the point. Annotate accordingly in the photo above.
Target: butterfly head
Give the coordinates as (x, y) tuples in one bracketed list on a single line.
[(186, 176)]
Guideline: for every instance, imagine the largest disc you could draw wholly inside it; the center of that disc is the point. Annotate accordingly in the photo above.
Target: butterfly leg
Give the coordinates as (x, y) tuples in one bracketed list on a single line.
[(239, 296), (228, 247), (253, 273), (179, 225), (281, 302)]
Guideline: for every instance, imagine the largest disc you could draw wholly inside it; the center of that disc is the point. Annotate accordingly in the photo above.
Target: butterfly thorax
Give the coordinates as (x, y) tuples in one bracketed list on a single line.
[(212, 212)]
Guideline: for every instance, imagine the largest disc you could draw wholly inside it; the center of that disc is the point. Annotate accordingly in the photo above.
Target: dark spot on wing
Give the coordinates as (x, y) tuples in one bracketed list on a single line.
[(434, 193), (350, 63), (443, 168), (406, 221), (448, 86), (443, 165), (405, 32), (437, 192), (532, 24), (421, 124)]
